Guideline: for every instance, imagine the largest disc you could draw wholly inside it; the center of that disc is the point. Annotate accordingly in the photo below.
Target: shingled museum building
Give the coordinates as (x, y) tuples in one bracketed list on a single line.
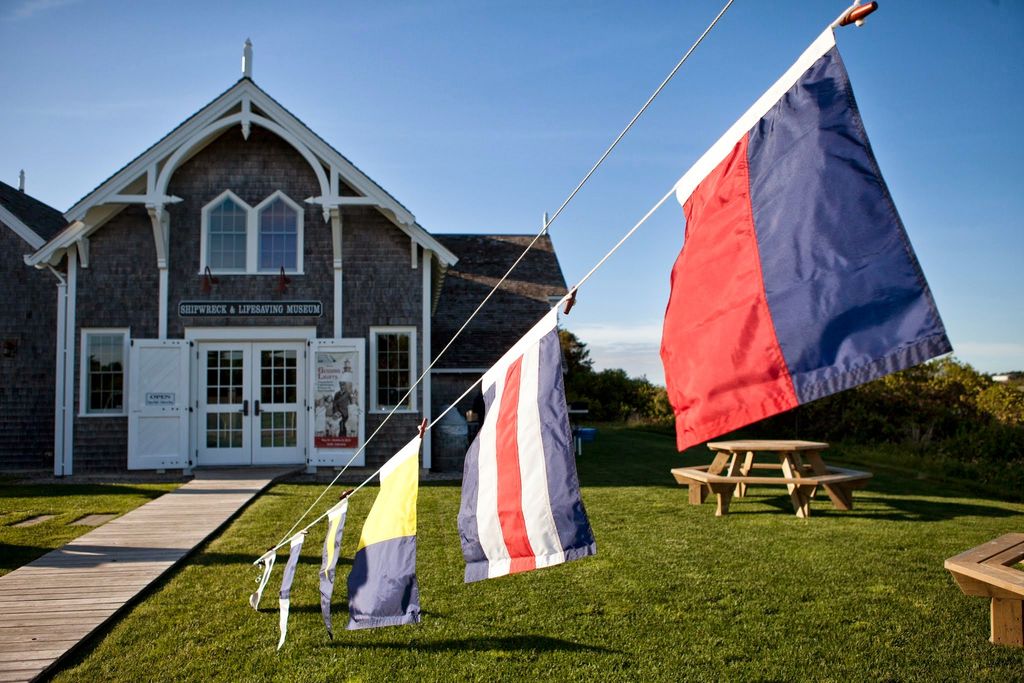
[(242, 294)]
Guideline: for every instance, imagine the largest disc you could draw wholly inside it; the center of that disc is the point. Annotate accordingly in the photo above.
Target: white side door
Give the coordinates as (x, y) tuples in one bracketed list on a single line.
[(278, 403), (336, 402), (158, 404), (223, 405)]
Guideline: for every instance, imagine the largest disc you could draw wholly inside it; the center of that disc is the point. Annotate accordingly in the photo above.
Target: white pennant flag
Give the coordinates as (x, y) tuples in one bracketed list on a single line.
[(286, 583), (267, 562)]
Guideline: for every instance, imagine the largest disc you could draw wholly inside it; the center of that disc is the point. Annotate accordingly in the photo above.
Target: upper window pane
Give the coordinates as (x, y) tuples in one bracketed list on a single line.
[(227, 228), (104, 381), (278, 236)]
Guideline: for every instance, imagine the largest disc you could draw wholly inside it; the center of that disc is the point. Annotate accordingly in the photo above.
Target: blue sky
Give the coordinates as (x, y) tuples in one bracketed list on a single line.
[(480, 116)]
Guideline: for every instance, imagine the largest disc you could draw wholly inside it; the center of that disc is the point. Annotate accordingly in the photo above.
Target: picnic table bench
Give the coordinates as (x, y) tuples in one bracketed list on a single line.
[(803, 471), (987, 571)]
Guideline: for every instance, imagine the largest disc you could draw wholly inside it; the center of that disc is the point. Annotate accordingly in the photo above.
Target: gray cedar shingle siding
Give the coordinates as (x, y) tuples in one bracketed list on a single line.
[(27, 350), (522, 300), (253, 170), (118, 289), (380, 288)]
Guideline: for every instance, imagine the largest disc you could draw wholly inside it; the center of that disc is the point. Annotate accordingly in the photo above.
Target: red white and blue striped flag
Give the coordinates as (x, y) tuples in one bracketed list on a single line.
[(521, 506)]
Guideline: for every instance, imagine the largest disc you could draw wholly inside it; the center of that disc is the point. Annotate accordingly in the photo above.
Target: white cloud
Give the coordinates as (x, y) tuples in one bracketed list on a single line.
[(989, 349), (603, 334), (633, 348), (28, 8), (991, 356)]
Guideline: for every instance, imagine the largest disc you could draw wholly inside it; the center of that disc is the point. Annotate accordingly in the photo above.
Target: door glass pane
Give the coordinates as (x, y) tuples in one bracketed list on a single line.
[(223, 382), (223, 430), (279, 384), (278, 429)]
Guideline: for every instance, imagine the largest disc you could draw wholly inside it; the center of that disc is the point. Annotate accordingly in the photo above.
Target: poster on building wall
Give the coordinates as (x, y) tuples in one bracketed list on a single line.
[(336, 401)]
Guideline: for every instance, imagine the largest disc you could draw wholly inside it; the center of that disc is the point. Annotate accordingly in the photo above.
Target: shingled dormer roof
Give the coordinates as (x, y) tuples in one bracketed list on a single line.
[(523, 299), (21, 212)]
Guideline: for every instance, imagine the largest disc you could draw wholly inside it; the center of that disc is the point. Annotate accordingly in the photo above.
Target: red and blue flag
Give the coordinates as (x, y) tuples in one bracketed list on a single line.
[(796, 279), (521, 507)]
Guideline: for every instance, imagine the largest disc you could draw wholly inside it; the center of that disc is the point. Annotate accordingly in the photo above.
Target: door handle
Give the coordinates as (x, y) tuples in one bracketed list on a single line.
[(245, 408), (256, 409)]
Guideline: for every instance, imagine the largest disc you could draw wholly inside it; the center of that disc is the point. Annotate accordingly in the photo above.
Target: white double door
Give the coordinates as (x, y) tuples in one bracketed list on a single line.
[(251, 403)]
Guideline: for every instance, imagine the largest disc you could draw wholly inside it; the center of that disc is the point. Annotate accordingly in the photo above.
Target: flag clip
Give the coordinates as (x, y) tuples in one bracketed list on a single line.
[(857, 14), (423, 428), (570, 302), (346, 494)]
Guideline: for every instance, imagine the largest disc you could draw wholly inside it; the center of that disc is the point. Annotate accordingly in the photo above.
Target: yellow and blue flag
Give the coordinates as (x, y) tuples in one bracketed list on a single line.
[(382, 588)]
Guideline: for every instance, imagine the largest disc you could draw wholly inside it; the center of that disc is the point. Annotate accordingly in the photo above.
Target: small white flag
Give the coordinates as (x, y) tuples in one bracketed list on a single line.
[(286, 583), (267, 562)]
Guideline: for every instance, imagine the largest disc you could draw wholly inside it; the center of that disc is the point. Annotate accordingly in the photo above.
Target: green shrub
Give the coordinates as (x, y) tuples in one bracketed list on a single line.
[(944, 407)]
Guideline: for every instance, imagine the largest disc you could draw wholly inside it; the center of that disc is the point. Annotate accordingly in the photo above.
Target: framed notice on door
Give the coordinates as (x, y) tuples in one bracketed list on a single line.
[(337, 380)]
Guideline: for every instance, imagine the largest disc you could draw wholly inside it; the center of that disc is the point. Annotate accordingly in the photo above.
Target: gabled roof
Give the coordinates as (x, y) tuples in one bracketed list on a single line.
[(243, 104), (34, 221), (522, 300)]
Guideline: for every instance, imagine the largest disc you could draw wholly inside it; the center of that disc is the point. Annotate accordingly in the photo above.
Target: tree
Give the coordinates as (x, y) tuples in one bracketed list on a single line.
[(576, 355), (611, 395)]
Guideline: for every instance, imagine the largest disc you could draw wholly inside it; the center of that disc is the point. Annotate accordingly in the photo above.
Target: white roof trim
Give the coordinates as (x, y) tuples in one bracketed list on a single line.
[(48, 253), (213, 117), (20, 229)]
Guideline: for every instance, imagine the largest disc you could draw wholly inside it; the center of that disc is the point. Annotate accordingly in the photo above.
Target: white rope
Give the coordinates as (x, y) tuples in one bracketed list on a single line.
[(624, 238), (504, 277), (473, 386)]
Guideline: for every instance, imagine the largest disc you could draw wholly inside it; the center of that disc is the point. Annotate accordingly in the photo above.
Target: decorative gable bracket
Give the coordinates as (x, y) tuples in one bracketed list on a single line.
[(161, 237)]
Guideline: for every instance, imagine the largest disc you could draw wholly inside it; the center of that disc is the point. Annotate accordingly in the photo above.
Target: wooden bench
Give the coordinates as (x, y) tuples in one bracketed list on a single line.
[(987, 571), (838, 481)]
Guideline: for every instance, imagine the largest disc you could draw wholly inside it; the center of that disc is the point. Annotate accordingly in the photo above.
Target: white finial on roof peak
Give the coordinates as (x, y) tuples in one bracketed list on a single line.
[(544, 224), (21, 180), (247, 59)]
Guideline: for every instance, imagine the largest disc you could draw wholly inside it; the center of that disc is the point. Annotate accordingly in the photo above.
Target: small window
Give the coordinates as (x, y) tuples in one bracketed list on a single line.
[(227, 229), (393, 353), (104, 353), (278, 235)]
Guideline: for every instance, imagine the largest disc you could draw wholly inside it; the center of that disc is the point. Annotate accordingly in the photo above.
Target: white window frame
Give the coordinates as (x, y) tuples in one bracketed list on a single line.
[(373, 406), (204, 234), (252, 235), (83, 374), (254, 249)]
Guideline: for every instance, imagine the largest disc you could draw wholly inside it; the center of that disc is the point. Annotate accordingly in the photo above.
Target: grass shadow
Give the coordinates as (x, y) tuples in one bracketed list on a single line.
[(214, 559), (13, 556), (68, 490), (501, 644), (892, 504)]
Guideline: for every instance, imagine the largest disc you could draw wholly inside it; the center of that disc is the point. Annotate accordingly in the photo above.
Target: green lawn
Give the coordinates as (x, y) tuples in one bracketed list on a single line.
[(674, 593), (67, 503)]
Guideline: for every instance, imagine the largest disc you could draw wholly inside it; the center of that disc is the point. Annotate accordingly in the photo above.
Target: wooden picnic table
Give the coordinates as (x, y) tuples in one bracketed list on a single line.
[(803, 471), (988, 571)]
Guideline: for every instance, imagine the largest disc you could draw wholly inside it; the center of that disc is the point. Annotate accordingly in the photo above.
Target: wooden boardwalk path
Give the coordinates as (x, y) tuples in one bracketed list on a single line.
[(50, 605)]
